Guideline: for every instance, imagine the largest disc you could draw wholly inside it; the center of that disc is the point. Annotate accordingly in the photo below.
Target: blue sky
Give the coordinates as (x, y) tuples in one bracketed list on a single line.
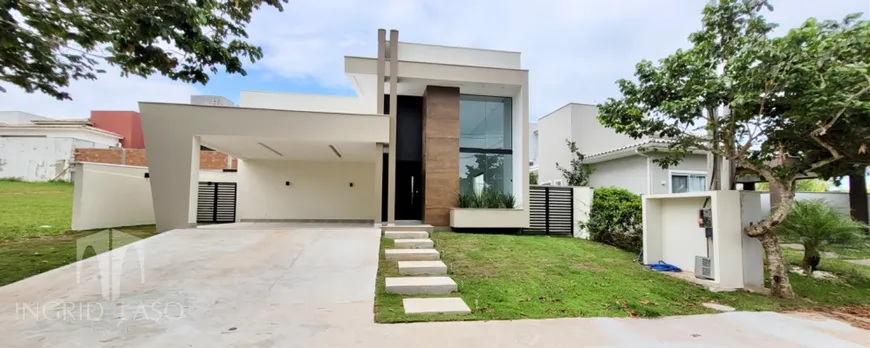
[(575, 49)]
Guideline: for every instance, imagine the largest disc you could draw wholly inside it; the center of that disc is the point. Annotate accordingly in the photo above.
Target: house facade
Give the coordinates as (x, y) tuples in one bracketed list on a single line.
[(427, 123), (619, 160)]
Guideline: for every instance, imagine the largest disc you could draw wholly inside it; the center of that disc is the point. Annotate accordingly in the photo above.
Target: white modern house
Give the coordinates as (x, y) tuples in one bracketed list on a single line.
[(427, 123), (37, 148), (619, 160)]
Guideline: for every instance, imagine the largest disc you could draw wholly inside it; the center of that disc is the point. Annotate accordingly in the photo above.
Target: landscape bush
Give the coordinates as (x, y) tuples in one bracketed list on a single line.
[(488, 198), (616, 219)]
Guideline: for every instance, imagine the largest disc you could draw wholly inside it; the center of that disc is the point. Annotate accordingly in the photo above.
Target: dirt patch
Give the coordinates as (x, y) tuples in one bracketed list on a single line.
[(858, 316)]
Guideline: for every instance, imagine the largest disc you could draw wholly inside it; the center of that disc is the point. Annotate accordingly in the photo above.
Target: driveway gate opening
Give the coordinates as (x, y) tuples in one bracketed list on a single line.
[(216, 202), (552, 209)]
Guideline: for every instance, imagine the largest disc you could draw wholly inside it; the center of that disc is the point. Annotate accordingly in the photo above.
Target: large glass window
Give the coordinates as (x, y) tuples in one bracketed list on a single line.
[(485, 158), (688, 182)]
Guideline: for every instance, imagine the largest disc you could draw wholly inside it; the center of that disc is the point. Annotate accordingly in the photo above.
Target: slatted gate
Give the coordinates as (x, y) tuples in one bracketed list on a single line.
[(552, 209), (216, 202)]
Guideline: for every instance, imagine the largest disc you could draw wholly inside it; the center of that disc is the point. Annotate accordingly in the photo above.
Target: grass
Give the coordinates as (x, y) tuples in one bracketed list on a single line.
[(25, 208), (514, 277), (26, 248)]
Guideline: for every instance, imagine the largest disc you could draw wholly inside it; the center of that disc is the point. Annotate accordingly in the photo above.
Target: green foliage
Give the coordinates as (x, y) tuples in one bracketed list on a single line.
[(616, 219), (579, 172), (533, 178), (804, 95), (46, 44), (816, 225), (488, 199), (804, 185), (13, 179)]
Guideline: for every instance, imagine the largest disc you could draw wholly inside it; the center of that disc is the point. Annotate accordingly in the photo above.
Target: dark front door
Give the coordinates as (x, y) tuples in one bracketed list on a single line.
[(409, 183)]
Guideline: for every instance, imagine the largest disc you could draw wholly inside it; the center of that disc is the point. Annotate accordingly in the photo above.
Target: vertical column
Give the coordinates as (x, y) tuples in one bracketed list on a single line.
[(382, 46), (858, 195), (440, 153), (193, 188), (379, 180), (394, 79)]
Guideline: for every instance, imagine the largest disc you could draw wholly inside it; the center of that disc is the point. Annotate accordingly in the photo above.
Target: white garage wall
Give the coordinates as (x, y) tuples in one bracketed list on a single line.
[(317, 190), (110, 195), (35, 159)]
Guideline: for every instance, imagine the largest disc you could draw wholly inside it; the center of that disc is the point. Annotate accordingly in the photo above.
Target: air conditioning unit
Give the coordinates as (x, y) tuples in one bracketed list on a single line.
[(703, 268)]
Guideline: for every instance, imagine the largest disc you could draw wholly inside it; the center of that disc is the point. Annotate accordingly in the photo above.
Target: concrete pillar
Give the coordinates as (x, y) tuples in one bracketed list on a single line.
[(173, 167), (382, 46), (858, 196), (379, 180), (394, 81)]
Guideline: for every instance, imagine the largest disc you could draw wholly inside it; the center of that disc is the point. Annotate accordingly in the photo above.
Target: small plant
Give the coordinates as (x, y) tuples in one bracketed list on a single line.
[(578, 172), (816, 225), (488, 198)]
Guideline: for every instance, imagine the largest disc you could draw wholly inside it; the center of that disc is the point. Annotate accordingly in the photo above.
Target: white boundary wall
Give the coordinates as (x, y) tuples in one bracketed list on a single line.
[(110, 195)]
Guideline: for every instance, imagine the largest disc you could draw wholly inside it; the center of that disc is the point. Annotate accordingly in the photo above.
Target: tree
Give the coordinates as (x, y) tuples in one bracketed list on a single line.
[(816, 225), (804, 185), (795, 104), (579, 172), (46, 44)]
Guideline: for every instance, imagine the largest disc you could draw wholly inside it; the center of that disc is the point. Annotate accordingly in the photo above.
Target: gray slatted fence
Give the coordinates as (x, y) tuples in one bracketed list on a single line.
[(216, 202), (552, 209)]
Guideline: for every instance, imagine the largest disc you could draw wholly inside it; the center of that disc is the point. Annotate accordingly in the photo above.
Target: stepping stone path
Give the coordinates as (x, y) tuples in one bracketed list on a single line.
[(423, 272)]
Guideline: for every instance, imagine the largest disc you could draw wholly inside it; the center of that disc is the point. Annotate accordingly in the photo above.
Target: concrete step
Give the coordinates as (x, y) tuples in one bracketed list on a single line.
[(420, 285), (392, 228), (446, 305), (422, 267), (412, 255), (413, 244), (406, 235)]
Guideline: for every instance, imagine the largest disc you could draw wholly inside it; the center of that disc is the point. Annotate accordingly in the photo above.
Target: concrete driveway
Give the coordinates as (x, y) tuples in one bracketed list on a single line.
[(309, 285)]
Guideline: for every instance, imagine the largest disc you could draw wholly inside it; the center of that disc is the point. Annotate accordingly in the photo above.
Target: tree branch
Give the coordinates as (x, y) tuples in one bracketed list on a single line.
[(824, 129)]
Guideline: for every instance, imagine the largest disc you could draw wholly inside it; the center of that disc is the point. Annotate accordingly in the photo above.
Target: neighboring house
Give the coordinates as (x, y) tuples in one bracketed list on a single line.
[(36, 148), (427, 123), (617, 158)]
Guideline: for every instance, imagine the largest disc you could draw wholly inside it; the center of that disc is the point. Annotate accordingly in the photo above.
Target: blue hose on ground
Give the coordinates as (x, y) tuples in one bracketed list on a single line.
[(661, 266)]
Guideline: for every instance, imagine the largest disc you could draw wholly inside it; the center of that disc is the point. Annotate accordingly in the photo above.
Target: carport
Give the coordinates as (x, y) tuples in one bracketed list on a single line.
[(294, 165)]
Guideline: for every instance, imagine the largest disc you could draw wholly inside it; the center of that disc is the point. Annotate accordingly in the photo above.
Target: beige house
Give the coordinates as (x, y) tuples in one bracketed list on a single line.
[(427, 123), (619, 160)]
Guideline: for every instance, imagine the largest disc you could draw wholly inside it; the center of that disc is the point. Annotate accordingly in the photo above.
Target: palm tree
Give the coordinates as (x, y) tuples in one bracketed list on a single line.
[(816, 225)]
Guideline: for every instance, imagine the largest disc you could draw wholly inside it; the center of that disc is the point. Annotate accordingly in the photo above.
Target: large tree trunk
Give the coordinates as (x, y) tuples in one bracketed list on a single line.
[(763, 231), (858, 196)]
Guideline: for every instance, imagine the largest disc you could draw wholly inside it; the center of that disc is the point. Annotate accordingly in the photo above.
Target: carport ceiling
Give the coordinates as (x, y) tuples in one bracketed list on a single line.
[(288, 149)]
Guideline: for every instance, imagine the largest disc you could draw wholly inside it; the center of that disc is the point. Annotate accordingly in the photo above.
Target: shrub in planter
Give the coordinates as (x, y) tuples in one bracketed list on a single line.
[(489, 198), (616, 219)]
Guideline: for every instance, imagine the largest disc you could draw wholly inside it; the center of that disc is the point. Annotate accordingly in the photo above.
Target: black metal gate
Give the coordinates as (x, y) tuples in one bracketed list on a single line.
[(552, 209), (216, 202)]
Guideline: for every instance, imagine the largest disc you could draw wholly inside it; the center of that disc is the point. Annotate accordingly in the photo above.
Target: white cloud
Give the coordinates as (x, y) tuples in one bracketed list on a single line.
[(110, 92), (575, 49)]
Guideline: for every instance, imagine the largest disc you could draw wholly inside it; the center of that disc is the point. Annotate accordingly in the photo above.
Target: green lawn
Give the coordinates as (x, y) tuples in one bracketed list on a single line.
[(26, 206), (26, 249), (514, 277)]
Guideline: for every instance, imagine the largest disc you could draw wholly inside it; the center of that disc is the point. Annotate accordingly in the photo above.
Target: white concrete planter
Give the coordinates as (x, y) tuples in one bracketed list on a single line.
[(488, 218)]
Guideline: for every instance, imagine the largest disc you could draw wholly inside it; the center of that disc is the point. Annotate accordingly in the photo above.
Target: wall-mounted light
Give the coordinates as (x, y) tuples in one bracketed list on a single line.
[(271, 149), (335, 151)]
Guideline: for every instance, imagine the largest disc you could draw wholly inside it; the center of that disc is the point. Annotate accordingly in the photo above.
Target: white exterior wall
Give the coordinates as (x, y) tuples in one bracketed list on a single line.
[(36, 159), (110, 195), (553, 130), (582, 207), (660, 178), (317, 190), (533, 143), (458, 56), (304, 102), (629, 173), (592, 137), (98, 139)]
